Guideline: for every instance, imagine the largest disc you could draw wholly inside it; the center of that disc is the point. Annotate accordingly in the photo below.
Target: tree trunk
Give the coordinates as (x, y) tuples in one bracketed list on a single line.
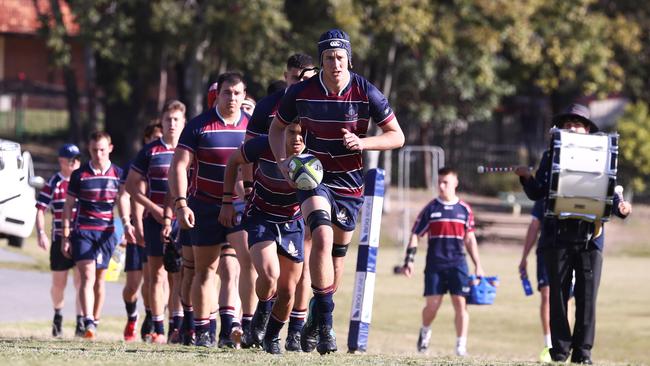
[(91, 89)]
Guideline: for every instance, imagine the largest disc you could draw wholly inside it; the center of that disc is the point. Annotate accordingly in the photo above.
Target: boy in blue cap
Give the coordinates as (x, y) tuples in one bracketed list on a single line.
[(52, 197)]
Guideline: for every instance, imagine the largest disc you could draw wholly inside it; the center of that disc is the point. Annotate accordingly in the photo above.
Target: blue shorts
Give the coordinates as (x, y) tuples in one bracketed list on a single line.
[(454, 280), (345, 209), (207, 230), (184, 238), (135, 258), (57, 261), (93, 245), (153, 243), (542, 274), (289, 236)]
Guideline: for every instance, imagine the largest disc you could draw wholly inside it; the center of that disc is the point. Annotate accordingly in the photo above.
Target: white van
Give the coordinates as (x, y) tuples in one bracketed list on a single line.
[(17, 193)]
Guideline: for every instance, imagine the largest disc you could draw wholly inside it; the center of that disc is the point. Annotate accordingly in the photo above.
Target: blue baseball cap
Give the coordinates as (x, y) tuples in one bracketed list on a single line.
[(334, 38), (69, 151)]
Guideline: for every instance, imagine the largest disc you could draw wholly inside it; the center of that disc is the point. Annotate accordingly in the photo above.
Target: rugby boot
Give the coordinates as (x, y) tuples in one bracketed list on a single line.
[(146, 329), (79, 329), (258, 326), (272, 346), (157, 338), (57, 332), (309, 332), (326, 339), (91, 332), (226, 343), (174, 337), (247, 339), (236, 336), (292, 343), (203, 339), (188, 337), (129, 330)]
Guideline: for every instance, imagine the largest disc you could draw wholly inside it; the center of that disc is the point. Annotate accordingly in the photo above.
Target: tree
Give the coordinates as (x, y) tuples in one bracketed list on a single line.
[(634, 150)]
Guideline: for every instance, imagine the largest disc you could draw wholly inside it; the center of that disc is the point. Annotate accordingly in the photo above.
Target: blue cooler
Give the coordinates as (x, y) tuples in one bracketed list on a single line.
[(484, 292)]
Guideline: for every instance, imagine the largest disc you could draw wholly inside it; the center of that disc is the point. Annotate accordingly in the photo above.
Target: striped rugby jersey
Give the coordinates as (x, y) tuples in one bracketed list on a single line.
[(446, 224), (263, 115), (271, 193), (152, 163), (52, 196), (211, 142), (322, 116), (96, 194)]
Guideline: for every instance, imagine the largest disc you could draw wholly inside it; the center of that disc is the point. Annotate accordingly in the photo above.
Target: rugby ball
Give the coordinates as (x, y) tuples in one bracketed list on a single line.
[(306, 171)]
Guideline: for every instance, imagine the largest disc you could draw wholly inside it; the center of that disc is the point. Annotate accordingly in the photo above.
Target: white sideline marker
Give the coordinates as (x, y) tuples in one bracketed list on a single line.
[(364, 280)]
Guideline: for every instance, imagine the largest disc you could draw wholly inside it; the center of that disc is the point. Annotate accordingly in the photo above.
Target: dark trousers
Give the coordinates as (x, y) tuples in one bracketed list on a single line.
[(587, 261)]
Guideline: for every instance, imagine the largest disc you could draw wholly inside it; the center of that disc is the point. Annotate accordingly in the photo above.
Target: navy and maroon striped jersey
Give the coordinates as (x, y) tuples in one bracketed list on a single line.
[(271, 193), (152, 163), (263, 115), (52, 196), (446, 224), (96, 193), (322, 116), (211, 141)]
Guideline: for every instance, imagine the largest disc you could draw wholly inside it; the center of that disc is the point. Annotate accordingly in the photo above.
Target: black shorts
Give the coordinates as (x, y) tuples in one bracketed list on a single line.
[(57, 261)]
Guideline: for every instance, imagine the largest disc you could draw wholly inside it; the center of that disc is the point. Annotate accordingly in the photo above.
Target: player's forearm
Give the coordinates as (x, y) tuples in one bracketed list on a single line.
[(276, 140), (471, 245), (178, 175), (231, 174), (40, 221), (123, 204), (67, 215), (386, 141), (413, 241), (531, 237)]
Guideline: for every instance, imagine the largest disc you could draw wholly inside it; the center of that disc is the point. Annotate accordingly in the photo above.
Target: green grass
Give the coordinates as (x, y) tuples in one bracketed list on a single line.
[(506, 333)]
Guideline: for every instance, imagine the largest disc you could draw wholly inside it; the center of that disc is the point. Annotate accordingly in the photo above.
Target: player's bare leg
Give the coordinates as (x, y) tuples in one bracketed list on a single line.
[(76, 277), (158, 278), (175, 307), (206, 260), (461, 321), (186, 298), (264, 256), (301, 303), (431, 306), (100, 294), (59, 281), (247, 278), (342, 241), (87, 295), (316, 209), (130, 297), (228, 295), (285, 289)]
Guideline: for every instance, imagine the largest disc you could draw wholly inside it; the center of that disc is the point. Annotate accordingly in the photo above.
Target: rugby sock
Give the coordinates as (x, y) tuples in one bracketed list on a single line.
[(273, 328), (266, 305), (188, 318), (88, 321), (158, 324), (177, 320), (461, 345), (246, 321), (297, 319), (80, 320), (57, 312), (227, 315), (96, 322), (201, 325), (131, 310), (547, 341), (213, 324), (324, 299)]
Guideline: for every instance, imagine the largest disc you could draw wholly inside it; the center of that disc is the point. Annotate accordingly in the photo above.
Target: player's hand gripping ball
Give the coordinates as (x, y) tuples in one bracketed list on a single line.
[(306, 171)]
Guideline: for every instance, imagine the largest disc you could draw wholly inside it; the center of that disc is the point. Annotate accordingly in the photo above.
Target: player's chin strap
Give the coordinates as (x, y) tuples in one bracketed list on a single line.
[(339, 250), (410, 255), (317, 218)]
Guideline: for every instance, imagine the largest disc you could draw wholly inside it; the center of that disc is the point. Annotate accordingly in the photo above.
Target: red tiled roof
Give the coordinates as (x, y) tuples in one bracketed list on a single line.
[(20, 16)]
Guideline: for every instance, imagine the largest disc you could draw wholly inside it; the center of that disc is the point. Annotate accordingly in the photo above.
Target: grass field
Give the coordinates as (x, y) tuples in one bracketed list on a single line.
[(506, 333)]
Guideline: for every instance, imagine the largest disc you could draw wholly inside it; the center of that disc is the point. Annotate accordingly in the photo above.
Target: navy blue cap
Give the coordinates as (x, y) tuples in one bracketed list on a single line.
[(69, 151), (576, 112), (334, 38)]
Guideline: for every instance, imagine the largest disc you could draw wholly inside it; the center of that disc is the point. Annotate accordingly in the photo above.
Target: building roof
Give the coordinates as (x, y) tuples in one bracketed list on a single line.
[(21, 16)]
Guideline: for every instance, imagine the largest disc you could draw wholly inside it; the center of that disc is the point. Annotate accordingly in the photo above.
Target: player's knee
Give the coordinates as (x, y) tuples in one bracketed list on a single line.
[(318, 218), (339, 250)]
